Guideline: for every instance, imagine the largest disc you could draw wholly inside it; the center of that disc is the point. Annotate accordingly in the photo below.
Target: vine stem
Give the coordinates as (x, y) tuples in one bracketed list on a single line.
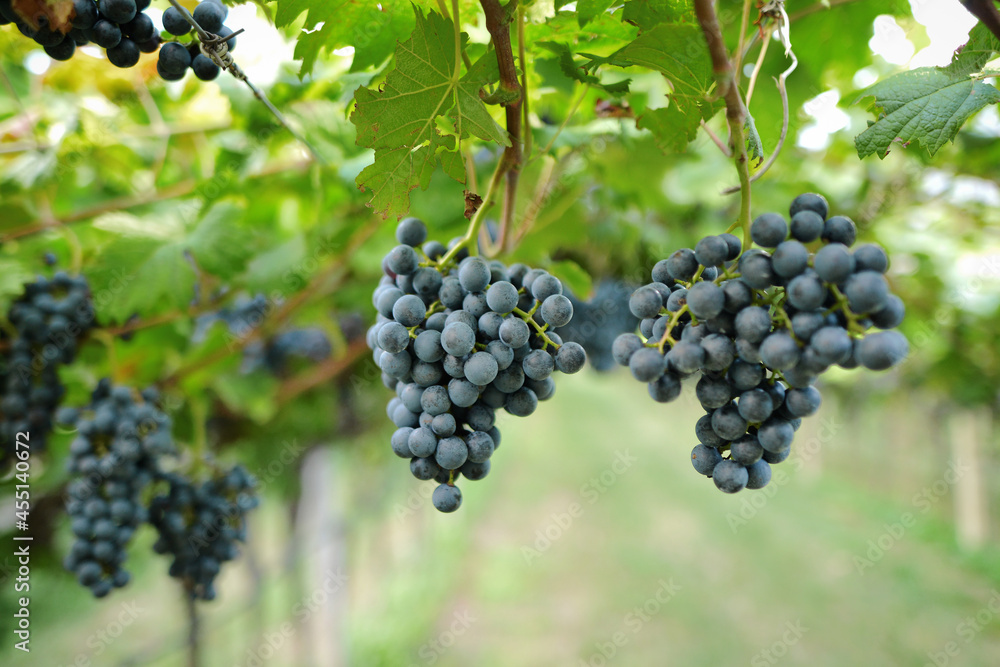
[(735, 111), (194, 628), (498, 24), (477, 220)]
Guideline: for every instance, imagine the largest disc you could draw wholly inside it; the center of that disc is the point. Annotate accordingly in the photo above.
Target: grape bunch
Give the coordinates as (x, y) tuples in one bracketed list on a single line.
[(199, 525), (125, 32), (761, 325), (49, 321), (598, 322), (120, 438), (459, 338), (176, 58), (118, 26)]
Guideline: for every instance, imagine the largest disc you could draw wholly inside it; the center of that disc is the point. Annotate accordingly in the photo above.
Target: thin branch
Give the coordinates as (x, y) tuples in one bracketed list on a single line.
[(735, 111), (784, 33), (498, 24), (209, 42), (132, 201), (715, 138), (985, 11), (744, 24), (766, 40), (194, 629), (321, 373)]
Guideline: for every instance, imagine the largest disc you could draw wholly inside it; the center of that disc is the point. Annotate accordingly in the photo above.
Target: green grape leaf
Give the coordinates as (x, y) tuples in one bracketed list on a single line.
[(929, 105), (677, 51), (670, 128), (211, 242), (576, 72), (372, 29), (647, 14), (588, 10), (399, 120)]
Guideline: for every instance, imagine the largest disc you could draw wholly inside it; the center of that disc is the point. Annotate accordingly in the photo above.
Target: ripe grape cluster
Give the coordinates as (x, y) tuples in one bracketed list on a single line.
[(125, 32), (598, 322), (49, 320), (113, 459), (459, 338), (176, 58), (761, 326), (118, 26), (199, 525)]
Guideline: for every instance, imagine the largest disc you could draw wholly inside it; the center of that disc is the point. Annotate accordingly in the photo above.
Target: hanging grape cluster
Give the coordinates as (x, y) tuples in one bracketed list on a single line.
[(761, 326), (118, 26), (459, 338), (120, 438), (200, 524), (124, 31), (49, 321), (177, 58)]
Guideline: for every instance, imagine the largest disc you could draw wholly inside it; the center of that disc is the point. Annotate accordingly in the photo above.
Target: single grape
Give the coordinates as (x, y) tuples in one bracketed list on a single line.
[(745, 450), (790, 259), (810, 201), (647, 364), (447, 498), (682, 264), (570, 358), (645, 302), (881, 350), (758, 474), (807, 225), (753, 324), (803, 402), (704, 459), (711, 251), (768, 230), (840, 229), (705, 300), (779, 351), (730, 477)]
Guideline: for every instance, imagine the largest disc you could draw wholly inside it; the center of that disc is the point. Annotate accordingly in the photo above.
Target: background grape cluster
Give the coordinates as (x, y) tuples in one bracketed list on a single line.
[(114, 458), (124, 31), (49, 320), (598, 322), (459, 338), (761, 326), (199, 525)]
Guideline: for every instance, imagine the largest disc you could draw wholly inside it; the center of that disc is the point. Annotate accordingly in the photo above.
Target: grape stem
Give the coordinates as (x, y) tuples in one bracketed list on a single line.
[(852, 318), (667, 338), (498, 20), (471, 234), (735, 110), (528, 318)]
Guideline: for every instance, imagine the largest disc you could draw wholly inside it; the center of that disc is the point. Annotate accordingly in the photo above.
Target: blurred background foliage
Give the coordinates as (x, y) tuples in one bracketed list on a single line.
[(176, 200)]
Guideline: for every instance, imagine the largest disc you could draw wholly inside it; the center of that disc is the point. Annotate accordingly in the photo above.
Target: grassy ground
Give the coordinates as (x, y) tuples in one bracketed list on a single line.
[(656, 567), (592, 542)]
